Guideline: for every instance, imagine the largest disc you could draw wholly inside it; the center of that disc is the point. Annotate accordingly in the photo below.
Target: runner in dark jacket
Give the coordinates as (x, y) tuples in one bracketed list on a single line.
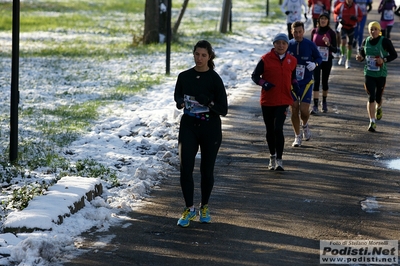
[(325, 39)]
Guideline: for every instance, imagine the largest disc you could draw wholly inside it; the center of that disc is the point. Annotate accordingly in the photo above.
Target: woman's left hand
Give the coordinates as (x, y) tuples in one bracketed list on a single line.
[(379, 61)]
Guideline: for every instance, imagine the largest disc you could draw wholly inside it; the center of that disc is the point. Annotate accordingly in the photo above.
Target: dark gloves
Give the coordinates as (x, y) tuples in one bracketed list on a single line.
[(203, 99), (341, 21), (353, 18), (180, 103), (267, 86), (288, 12)]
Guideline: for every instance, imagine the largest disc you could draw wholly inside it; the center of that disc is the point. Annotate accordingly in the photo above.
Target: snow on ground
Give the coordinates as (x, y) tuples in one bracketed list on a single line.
[(137, 137)]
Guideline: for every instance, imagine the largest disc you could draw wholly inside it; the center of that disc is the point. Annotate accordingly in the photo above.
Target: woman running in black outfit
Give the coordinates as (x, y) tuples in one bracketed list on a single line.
[(201, 93)]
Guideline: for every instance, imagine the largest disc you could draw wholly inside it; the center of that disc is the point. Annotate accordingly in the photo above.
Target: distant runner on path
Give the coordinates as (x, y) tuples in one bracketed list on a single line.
[(292, 9)]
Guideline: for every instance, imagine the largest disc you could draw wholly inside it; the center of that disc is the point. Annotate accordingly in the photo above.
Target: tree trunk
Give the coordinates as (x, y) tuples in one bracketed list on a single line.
[(178, 21), (151, 22)]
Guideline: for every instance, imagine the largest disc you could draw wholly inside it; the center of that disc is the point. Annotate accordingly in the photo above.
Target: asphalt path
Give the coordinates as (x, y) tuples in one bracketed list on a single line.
[(262, 217)]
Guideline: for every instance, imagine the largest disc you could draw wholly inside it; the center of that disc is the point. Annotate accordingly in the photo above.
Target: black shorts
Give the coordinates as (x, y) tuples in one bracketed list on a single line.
[(347, 33)]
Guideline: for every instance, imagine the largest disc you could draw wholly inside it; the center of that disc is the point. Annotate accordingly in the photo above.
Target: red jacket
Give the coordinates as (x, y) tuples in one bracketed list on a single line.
[(335, 4), (278, 73), (345, 11), (319, 6)]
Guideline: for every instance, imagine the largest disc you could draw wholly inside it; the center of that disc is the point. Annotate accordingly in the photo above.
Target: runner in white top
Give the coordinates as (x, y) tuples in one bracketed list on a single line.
[(293, 11)]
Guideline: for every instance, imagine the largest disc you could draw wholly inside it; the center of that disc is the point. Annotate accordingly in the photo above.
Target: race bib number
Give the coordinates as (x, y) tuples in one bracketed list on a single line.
[(318, 9), (300, 70), (371, 64), (388, 14), (324, 51)]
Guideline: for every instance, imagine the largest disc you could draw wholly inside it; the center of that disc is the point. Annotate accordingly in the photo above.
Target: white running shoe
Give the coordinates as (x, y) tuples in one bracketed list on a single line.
[(348, 64), (272, 162), (297, 141), (306, 132), (279, 165), (341, 60)]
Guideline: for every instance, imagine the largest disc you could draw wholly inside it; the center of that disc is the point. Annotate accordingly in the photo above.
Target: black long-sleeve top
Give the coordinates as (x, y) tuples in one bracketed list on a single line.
[(209, 83)]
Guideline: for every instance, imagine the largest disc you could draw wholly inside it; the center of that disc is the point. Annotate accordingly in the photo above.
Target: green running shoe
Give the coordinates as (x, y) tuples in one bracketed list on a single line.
[(187, 216), (372, 127), (379, 113), (204, 214)]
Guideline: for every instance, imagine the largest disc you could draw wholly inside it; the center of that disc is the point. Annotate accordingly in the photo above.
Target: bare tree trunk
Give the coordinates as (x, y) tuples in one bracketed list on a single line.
[(178, 21), (151, 22)]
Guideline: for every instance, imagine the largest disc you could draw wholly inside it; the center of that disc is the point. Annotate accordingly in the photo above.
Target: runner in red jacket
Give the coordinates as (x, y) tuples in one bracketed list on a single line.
[(348, 14), (276, 74), (318, 7)]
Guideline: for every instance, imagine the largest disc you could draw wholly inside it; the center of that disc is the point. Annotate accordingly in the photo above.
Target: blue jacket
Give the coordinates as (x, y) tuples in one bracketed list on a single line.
[(304, 51)]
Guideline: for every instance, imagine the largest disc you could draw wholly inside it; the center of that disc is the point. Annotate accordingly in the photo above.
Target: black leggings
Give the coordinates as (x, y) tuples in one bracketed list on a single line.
[(274, 118), (374, 88), (195, 133), (325, 68), (386, 32)]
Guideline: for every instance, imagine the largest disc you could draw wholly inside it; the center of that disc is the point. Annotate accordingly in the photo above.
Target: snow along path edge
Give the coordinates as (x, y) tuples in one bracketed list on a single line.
[(60, 201)]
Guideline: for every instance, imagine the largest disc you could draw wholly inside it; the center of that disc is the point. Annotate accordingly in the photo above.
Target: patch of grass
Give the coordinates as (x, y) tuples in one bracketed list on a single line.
[(90, 168), (20, 197), (68, 121), (80, 113), (130, 6), (124, 91), (63, 125), (94, 22), (80, 49), (65, 14), (34, 154)]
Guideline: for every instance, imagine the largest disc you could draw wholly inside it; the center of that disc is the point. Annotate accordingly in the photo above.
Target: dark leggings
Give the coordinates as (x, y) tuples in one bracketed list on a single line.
[(274, 118), (325, 68), (386, 32), (374, 86), (195, 133)]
